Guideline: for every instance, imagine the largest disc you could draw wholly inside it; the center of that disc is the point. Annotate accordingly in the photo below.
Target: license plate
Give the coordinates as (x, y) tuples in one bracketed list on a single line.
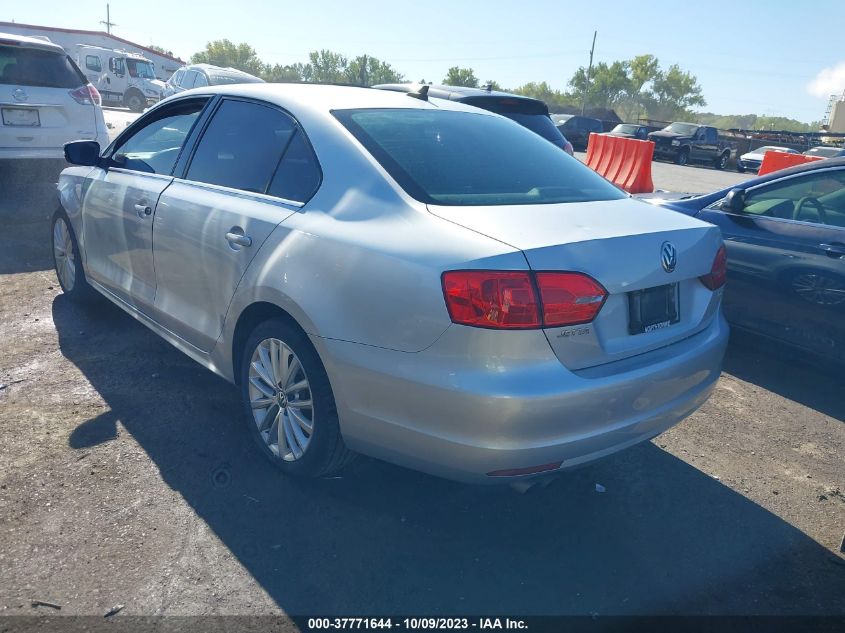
[(21, 117), (653, 309)]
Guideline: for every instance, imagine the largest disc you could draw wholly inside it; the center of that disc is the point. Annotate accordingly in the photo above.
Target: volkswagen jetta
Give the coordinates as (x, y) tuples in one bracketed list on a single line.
[(409, 278)]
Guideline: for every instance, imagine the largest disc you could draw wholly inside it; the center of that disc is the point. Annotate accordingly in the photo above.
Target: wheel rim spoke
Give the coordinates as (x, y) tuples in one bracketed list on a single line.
[(280, 399)]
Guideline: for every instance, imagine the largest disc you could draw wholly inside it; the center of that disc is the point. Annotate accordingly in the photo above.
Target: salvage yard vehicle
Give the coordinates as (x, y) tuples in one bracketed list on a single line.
[(528, 112), (123, 78), (577, 128), (199, 75), (825, 151), (785, 236), (630, 130), (45, 101), (418, 280), (753, 159), (690, 142)]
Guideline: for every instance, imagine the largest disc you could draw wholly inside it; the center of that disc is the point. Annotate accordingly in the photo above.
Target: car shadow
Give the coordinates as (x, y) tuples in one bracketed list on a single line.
[(664, 538), (795, 375), (27, 201)]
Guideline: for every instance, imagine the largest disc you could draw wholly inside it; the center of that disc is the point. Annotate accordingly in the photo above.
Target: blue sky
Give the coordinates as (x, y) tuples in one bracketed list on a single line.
[(765, 57)]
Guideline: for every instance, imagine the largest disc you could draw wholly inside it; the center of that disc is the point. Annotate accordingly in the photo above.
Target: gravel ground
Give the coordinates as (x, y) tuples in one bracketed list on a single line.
[(126, 477)]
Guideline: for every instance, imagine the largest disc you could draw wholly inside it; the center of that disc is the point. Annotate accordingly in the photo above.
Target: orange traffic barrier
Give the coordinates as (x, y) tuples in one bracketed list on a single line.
[(775, 161), (626, 162)]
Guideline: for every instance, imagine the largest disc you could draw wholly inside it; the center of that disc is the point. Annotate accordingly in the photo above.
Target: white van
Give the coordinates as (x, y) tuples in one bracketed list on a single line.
[(123, 78), (45, 100)]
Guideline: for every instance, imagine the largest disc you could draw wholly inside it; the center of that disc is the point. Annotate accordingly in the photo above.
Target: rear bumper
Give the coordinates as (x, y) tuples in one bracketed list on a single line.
[(442, 412)]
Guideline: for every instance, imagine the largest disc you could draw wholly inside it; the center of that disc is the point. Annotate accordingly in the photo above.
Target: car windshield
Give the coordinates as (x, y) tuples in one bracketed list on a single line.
[(825, 152), (685, 129), (36, 67), (625, 128), (140, 68), (218, 79), (461, 158)]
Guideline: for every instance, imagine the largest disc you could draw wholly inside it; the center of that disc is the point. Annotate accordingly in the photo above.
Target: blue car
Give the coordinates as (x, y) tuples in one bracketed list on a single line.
[(785, 237)]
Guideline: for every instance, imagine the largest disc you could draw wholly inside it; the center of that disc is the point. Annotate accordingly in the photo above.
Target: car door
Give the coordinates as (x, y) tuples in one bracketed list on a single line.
[(251, 169), (786, 260), (120, 201), (698, 145)]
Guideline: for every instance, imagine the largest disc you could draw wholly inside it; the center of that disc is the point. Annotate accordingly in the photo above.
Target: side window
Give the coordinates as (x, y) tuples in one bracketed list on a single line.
[(818, 198), (298, 175), (177, 77), (711, 136), (188, 79), (118, 66), (242, 146), (92, 62), (155, 147), (200, 81)]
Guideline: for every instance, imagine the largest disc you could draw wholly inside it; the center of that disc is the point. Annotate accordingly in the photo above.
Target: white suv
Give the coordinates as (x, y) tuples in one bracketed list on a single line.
[(45, 100)]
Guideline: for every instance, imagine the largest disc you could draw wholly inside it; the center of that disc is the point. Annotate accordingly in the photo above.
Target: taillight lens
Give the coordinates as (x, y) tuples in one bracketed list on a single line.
[(521, 300), (87, 95), (491, 299), (718, 271), (569, 298)]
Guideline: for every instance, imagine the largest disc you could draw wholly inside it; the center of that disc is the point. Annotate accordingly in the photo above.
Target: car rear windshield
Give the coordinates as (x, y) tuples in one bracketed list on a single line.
[(21, 66), (529, 113), (461, 158)]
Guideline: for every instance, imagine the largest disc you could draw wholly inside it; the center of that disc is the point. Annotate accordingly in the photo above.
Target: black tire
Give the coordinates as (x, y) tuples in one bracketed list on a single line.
[(722, 162), (75, 286), (326, 453), (134, 100), (683, 157)]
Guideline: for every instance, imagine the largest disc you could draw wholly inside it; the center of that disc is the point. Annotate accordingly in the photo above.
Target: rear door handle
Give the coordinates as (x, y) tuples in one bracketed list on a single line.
[(239, 239), (833, 250), (143, 210)]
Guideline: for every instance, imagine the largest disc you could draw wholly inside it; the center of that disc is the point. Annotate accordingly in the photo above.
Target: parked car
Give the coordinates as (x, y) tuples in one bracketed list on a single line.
[(686, 142), (577, 128), (753, 159), (418, 280), (45, 100), (785, 236), (630, 130), (528, 112), (825, 151), (199, 75)]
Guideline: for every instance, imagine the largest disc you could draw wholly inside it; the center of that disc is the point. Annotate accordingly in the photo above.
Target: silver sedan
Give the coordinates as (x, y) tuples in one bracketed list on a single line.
[(412, 279)]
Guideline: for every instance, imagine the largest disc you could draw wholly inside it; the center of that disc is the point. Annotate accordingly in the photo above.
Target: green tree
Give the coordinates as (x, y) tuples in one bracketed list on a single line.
[(608, 84), (159, 49), (556, 100), (494, 85), (280, 74), (225, 53), (672, 94), (326, 66), (366, 70), (457, 76)]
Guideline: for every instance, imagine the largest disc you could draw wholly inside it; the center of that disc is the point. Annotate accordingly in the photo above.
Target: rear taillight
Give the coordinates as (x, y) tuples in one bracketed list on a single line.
[(86, 95), (521, 300), (715, 279)]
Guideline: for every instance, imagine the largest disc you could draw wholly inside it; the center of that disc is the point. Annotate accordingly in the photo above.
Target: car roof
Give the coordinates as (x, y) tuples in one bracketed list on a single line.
[(30, 42), (452, 93), (327, 97)]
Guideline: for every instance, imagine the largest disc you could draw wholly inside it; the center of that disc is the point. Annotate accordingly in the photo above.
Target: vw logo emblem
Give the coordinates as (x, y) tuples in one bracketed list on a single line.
[(20, 95), (668, 257)]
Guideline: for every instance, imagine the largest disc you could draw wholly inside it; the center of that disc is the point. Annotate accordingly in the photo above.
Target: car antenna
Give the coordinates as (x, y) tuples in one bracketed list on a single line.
[(489, 86), (420, 93)]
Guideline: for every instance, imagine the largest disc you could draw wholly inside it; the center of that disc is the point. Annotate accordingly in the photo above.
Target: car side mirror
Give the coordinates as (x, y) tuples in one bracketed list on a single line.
[(85, 153), (734, 202)]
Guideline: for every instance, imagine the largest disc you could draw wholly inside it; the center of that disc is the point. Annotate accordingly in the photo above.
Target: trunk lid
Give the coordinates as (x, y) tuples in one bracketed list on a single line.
[(619, 244)]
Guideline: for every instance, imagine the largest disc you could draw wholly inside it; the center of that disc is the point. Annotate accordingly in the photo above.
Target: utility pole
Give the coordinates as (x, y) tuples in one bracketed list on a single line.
[(589, 72), (108, 21)]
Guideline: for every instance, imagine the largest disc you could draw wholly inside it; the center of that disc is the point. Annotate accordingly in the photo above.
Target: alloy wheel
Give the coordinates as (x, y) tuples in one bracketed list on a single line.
[(280, 398), (63, 253), (819, 289)]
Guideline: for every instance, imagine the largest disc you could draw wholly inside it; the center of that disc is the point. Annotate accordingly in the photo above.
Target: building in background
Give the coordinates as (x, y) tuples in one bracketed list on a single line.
[(69, 39), (836, 118)]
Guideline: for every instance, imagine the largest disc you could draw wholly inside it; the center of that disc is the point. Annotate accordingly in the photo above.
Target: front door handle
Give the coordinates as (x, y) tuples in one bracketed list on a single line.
[(143, 210), (833, 250), (239, 238)]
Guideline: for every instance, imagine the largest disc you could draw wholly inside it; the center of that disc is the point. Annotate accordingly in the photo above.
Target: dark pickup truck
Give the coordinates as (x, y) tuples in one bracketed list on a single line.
[(685, 142)]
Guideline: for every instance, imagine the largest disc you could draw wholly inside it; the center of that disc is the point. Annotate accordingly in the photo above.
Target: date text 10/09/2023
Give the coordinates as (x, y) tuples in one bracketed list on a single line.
[(417, 623)]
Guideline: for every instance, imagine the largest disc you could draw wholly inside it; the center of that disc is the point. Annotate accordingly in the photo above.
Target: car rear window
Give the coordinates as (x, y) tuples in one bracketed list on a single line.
[(529, 113), (223, 79), (21, 66), (461, 158)]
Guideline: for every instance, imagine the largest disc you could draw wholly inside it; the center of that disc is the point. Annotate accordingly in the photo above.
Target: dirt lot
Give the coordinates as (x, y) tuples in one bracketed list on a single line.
[(126, 477)]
